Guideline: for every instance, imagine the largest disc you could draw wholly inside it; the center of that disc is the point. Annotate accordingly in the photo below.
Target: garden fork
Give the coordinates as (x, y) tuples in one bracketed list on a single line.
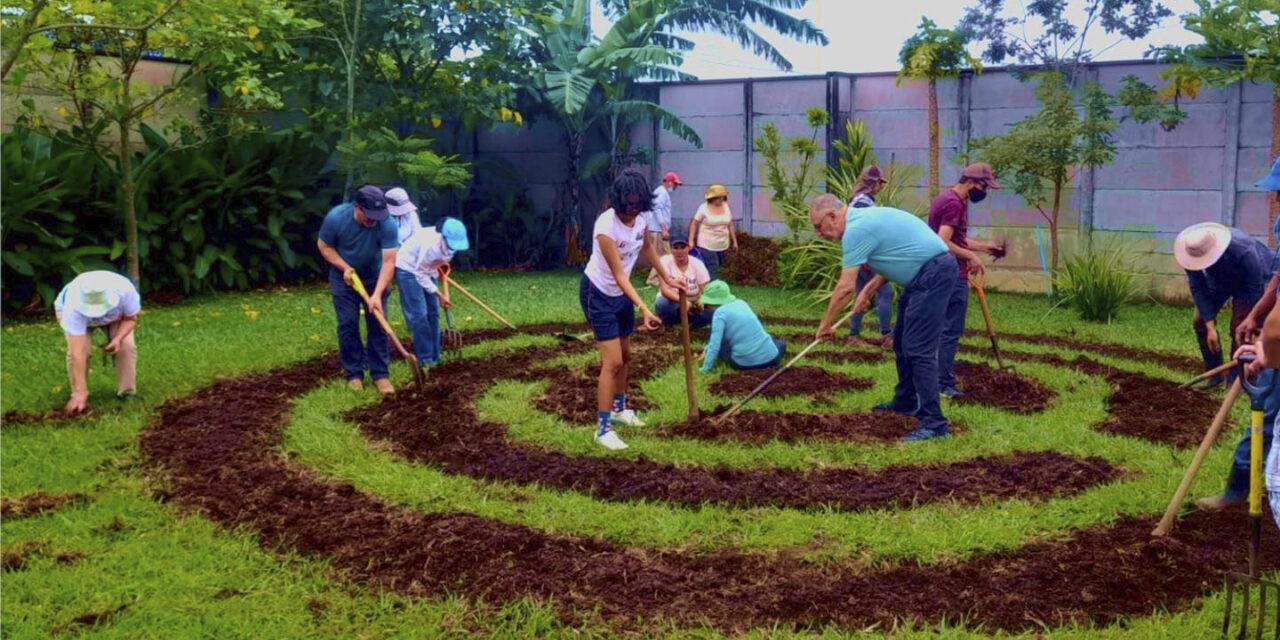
[(452, 338), (1240, 585)]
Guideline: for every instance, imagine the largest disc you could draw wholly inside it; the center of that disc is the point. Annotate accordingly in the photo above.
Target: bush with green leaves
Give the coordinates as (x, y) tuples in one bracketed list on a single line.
[(232, 213), (1097, 283), (791, 171)]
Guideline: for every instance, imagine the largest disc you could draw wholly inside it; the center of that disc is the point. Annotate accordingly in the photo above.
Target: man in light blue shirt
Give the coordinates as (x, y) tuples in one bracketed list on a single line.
[(902, 249), (658, 220)]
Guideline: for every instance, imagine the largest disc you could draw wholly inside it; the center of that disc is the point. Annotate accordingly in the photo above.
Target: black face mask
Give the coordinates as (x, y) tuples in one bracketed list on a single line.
[(977, 195)]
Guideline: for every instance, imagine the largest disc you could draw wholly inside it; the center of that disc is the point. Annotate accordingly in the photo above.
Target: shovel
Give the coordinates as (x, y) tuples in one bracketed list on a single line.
[(978, 281), (1240, 585), (418, 376), (1210, 437)]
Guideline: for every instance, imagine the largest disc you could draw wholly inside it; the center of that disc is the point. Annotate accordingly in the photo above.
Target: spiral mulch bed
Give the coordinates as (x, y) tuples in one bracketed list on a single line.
[(1143, 407), (816, 383), (759, 428), (216, 448), (1001, 388)]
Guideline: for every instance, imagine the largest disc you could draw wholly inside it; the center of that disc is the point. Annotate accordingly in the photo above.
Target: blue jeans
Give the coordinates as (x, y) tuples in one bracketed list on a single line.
[(884, 306), (726, 353), (712, 259), (922, 309), (669, 313), (1238, 479), (355, 355), (422, 314), (952, 329)]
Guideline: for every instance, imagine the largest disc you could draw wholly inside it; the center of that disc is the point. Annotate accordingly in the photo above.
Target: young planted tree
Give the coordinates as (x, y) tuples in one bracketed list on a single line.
[(1241, 44), (790, 168), (932, 54), (1041, 154), (732, 19), (584, 78), (87, 54)]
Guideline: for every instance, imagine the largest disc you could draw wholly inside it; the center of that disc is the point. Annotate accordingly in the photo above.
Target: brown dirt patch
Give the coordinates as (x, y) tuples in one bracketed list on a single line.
[(1001, 388), (89, 619), (571, 395), (1141, 406), (34, 503), (860, 357), (216, 444), (755, 261), (759, 428), (814, 382), (53, 418)]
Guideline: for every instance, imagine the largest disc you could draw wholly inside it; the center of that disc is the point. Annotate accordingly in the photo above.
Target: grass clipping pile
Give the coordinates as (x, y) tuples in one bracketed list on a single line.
[(217, 450)]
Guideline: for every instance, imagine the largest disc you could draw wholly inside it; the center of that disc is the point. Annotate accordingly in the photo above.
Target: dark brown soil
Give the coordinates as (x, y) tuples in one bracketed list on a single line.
[(755, 261), (216, 449), (16, 418), (759, 428), (1141, 406), (572, 396), (34, 503), (815, 382), (89, 619), (14, 557), (1001, 388), (862, 357)]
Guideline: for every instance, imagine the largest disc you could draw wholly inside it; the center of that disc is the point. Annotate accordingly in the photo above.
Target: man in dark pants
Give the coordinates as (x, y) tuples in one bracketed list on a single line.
[(949, 218), (1222, 264), (358, 239), (902, 249)]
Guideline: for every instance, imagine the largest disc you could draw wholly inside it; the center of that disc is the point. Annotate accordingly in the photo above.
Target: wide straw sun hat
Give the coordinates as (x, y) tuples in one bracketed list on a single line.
[(1199, 246)]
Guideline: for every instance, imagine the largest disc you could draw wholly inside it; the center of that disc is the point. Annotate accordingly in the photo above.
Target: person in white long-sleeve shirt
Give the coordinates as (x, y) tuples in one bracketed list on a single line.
[(404, 212), (417, 265), (658, 220)]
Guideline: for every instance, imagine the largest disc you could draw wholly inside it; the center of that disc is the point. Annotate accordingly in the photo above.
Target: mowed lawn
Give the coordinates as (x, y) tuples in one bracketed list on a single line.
[(160, 573)]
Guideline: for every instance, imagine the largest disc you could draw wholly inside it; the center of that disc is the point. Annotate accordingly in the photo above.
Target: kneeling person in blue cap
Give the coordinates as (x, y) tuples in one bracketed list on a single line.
[(737, 337), (681, 267), (417, 264)]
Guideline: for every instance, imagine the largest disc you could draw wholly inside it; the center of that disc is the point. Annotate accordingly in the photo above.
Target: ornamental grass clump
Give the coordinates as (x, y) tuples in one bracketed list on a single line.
[(1097, 283)]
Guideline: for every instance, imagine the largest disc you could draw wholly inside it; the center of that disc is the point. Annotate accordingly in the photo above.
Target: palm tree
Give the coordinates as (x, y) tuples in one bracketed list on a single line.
[(931, 54), (730, 18), (584, 80)]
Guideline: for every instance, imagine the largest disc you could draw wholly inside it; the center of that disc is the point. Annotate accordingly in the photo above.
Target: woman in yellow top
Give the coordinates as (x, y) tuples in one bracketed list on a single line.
[(715, 220)]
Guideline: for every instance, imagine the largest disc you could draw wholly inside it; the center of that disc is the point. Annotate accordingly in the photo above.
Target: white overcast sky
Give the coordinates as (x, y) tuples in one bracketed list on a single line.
[(866, 36)]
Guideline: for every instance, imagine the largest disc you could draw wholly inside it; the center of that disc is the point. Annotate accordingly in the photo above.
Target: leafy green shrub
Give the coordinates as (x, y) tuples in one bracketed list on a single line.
[(791, 171), (509, 230), (1097, 283)]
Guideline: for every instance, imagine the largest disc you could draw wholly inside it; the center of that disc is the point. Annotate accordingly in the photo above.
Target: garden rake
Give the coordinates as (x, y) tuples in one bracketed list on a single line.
[(418, 377), (979, 281), (1239, 585), (451, 338)]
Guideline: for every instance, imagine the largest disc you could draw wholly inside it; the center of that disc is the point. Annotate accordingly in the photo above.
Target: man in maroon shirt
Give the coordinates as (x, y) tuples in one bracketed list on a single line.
[(949, 218)]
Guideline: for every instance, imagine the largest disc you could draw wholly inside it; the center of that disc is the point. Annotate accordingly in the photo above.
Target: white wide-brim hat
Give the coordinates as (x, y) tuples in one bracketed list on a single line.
[(1199, 246)]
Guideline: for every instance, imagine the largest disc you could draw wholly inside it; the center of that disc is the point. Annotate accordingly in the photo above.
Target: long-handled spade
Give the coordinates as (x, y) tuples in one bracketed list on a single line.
[(1240, 585), (767, 381), (1210, 437), (979, 281), (418, 376), (694, 414)]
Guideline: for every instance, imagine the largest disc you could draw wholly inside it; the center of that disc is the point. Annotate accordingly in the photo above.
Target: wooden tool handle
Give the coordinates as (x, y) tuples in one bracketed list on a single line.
[(1210, 373), (694, 414), (477, 301), (382, 321), (1171, 513)]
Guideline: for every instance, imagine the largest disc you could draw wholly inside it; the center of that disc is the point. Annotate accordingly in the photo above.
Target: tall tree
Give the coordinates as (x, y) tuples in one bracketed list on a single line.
[(88, 53), (1046, 37), (732, 19), (584, 78), (932, 54), (1241, 44), (1041, 154)]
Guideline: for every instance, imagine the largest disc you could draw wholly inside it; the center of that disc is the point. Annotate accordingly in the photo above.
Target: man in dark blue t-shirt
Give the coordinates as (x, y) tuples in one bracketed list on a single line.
[(358, 239)]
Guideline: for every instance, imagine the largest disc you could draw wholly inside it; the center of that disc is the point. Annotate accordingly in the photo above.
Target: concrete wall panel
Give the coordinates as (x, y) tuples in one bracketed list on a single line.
[(1205, 126), (1111, 78), (884, 92), (1196, 169), (718, 133), (1163, 211), (1002, 91), (1255, 124), (1253, 165), (705, 167), (789, 97), (703, 100), (909, 127)]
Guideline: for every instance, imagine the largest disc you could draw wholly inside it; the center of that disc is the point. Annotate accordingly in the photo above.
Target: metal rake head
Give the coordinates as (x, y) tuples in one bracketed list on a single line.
[(1259, 605)]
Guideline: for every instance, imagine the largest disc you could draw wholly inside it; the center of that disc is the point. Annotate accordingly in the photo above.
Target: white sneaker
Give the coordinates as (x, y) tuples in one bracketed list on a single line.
[(627, 418), (610, 440)]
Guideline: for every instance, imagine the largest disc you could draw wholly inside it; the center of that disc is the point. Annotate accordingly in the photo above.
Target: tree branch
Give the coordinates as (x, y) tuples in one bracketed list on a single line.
[(107, 27)]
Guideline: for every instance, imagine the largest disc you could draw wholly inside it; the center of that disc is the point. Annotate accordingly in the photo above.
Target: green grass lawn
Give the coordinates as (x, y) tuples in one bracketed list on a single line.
[(166, 574)]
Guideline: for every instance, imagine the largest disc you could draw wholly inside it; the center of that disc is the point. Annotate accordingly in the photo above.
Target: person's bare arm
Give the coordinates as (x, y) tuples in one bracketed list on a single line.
[(840, 296), (946, 232), (127, 325), (733, 233), (385, 276), (1249, 326), (609, 249), (694, 224), (650, 252)]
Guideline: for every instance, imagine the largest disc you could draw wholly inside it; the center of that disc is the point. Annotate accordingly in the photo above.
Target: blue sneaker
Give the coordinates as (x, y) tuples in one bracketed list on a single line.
[(926, 433), (889, 406)]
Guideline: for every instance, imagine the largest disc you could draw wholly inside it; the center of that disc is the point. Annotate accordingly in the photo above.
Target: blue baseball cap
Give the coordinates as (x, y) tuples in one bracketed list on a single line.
[(679, 236), (371, 200), (455, 234), (1272, 181)]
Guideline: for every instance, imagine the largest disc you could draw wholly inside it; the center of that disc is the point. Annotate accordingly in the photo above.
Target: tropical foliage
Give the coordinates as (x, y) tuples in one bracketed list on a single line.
[(932, 54), (791, 170), (1097, 283)]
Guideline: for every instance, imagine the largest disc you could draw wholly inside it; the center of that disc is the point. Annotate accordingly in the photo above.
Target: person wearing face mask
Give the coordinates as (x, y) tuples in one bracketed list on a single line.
[(417, 263), (949, 218), (404, 212)]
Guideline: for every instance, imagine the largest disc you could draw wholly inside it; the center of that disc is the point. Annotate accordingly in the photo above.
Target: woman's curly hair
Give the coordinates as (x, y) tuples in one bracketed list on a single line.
[(631, 190)]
